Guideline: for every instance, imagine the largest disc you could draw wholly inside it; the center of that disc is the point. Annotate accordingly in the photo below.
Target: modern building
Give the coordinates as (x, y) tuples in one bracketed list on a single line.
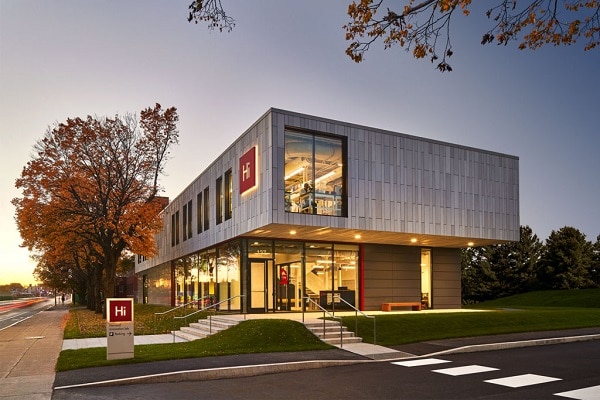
[(302, 207)]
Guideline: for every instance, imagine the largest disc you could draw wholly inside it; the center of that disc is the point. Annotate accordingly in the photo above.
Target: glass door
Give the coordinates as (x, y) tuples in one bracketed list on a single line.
[(262, 288)]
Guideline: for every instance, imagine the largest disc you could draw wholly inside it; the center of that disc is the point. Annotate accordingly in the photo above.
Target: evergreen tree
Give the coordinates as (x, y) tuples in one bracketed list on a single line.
[(595, 270), (490, 272), (567, 261)]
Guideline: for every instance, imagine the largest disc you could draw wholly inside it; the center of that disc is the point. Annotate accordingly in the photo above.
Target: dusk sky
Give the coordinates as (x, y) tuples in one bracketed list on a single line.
[(69, 58)]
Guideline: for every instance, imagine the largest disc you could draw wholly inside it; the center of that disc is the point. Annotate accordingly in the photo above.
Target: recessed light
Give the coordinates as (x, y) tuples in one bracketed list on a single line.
[(357, 236), (470, 244), (292, 232), (413, 240)]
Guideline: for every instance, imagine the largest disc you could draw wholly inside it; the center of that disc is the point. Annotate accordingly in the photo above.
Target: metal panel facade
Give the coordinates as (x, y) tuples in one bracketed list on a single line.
[(396, 183), (401, 183)]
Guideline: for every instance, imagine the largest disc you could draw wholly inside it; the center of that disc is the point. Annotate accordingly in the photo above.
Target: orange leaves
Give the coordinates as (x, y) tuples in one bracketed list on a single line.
[(423, 27), (420, 51), (547, 22), (417, 28), (92, 185)]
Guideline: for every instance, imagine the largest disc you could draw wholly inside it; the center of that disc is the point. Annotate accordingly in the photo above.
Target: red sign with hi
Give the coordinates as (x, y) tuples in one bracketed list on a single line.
[(120, 310), (248, 170)]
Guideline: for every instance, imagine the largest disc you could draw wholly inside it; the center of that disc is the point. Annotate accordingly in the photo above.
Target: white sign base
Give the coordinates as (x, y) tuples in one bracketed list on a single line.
[(119, 340)]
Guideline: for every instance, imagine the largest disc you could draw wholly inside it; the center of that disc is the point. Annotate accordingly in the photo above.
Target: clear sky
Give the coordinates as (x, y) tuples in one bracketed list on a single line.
[(70, 58)]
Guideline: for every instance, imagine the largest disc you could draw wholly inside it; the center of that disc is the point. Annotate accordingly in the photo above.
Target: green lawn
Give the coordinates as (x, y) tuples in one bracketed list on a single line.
[(83, 323), (252, 336), (529, 312), (537, 311)]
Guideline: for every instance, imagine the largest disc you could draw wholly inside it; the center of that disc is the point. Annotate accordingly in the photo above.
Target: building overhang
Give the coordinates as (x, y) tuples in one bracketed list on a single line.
[(358, 236)]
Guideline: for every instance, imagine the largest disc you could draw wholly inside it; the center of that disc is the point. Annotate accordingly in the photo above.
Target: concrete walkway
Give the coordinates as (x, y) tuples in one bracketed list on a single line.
[(28, 354)]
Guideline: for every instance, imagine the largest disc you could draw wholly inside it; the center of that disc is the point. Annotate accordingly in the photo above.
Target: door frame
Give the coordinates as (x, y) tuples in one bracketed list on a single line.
[(265, 283)]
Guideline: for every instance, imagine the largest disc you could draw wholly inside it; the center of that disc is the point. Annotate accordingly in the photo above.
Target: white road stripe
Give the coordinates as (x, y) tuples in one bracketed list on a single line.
[(522, 380), (590, 393), (466, 370), (420, 362)]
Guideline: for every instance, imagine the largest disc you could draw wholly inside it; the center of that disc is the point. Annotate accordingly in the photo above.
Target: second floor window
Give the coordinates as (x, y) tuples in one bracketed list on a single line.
[(315, 177)]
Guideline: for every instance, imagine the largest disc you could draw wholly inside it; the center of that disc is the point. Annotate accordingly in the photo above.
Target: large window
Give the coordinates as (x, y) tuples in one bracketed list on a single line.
[(315, 174)]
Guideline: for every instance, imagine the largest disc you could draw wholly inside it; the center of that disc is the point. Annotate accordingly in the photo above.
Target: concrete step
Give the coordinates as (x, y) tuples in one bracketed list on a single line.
[(334, 341), (332, 334), (319, 324), (197, 333), (205, 327), (185, 336)]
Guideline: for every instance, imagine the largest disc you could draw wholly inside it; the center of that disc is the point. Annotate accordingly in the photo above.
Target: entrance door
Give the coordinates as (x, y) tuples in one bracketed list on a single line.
[(262, 287)]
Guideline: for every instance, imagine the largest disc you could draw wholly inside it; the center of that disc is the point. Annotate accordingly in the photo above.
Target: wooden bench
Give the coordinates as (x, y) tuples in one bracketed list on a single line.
[(415, 305)]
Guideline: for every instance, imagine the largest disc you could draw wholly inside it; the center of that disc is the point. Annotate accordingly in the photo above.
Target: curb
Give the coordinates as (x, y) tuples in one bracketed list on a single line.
[(219, 373), (514, 345)]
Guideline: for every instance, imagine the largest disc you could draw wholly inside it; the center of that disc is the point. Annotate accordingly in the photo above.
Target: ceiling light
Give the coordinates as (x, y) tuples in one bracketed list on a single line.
[(327, 175), (413, 240), (295, 172)]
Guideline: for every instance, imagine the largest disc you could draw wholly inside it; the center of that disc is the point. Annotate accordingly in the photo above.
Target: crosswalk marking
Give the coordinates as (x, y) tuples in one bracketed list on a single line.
[(516, 381), (522, 380), (420, 362), (590, 393), (466, 370)]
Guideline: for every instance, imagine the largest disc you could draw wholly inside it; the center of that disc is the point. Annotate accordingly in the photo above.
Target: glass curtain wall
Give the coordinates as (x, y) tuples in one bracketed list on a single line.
[(228, 275), (210, 276), (206, 276), (324, 272), (331, 274), (314, 174)]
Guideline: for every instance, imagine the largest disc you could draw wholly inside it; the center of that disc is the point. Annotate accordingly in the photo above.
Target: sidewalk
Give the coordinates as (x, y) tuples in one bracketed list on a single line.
[(28, 354)]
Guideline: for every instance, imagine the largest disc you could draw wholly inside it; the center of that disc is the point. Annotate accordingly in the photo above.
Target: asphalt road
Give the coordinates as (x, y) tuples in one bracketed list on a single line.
[(543, 372), (14, 311)]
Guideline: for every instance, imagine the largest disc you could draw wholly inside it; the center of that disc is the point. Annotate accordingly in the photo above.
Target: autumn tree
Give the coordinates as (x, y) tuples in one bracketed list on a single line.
[(423, 28), (94, 182)]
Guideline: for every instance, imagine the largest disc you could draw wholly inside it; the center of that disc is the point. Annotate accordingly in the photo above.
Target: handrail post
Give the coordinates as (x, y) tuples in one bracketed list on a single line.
[(356, 311), (308, 299)]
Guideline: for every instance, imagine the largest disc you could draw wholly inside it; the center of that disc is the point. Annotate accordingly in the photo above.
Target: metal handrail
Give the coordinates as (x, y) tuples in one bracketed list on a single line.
[(309, 300), (173, 309), (356, 311), (213, 306)]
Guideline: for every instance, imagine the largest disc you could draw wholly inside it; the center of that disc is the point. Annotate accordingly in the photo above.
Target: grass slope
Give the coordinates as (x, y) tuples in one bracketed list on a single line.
[(581, 298), (252, 336)]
